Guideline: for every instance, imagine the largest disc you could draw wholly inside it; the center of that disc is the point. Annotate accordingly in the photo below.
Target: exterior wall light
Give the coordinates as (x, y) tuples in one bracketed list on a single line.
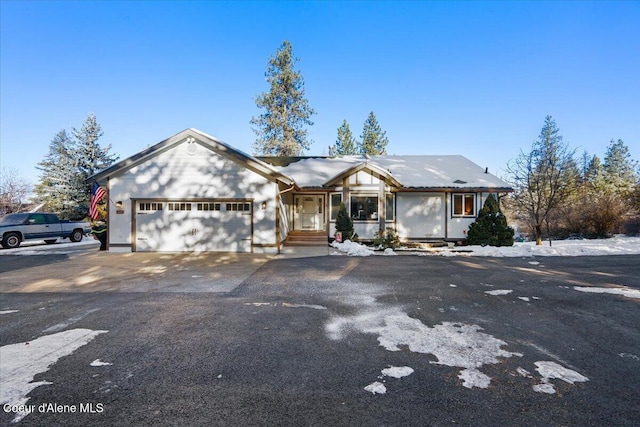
[(264, 206)]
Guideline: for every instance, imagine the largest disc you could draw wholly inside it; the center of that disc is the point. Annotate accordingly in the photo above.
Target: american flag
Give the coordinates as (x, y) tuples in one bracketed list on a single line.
[(97, 193)]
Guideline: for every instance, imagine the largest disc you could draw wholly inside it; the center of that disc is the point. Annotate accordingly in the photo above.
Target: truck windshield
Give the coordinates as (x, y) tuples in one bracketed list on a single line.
[(14, 219)]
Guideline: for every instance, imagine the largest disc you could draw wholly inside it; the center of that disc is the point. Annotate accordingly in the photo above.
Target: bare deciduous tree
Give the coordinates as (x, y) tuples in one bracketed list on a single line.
[(14, 191)]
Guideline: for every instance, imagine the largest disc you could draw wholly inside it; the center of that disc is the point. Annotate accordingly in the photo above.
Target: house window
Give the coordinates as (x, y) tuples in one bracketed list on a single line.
[(239, 207), (364, 207), (179, 206), (146, 206), (464, 205), (390, 208), (208, 206), (336, 199)]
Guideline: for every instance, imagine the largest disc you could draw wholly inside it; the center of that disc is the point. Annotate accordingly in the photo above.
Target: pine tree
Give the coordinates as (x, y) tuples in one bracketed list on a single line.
[(91, 158), (346, 143), (58, 169), (373, 139), (70, 161), (540, 178), (490, 228), (280, 130), (619, 168)]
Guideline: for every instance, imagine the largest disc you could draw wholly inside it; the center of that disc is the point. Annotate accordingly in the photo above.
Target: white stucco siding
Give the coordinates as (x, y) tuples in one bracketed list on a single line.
[(420, 215), (192, 172)]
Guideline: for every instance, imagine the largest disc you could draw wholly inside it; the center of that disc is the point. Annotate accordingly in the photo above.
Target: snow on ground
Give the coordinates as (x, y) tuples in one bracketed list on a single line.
[(499, 292), (352, 248), (627, 292), (397, 371), (453, 344), (21, 362), (619, 245), (99, 362), (551, 370), (38, 247)]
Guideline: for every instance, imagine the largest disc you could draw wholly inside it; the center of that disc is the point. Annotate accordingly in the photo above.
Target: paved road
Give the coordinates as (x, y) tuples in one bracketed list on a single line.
[(297, 342)]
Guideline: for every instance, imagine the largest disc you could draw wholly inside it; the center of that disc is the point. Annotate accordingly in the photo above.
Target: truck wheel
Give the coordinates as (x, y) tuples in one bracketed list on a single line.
[(11, 240), (76, 236), (50, 241)]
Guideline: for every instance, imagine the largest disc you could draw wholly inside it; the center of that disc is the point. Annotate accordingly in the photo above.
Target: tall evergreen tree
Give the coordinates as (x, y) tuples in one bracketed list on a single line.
[(70, 161), (281, 128), (621, 171), (373, 139), (346, 143), (58, 169), (92, 157), (541, 178)]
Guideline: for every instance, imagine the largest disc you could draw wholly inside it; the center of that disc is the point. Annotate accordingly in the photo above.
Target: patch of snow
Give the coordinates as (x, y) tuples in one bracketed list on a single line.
[(313, 306), (499, 292), (389, 251), (397, 371), (352, 248), (453, 286), (627, 292), (453, 344), (98, 362), (376, 388), (544, 388), (523, 372), (527, 299), (618, 245), (8, 311), (551, 370), (23, 361), (534, 262), (38, 247), (472, 377)]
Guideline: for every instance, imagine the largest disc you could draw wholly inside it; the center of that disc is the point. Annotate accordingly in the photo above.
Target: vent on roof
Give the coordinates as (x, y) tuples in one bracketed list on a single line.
[(459, 181)]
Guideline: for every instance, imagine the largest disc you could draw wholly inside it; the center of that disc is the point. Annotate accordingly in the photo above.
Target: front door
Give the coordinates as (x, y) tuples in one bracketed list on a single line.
[(309, 212)]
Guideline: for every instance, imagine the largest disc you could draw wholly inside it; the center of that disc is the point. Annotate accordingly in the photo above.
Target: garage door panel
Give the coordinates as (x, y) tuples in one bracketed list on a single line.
[(181, 230)]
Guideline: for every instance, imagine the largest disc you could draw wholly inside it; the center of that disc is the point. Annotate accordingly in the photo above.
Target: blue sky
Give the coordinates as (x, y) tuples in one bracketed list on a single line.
[(471, 78)]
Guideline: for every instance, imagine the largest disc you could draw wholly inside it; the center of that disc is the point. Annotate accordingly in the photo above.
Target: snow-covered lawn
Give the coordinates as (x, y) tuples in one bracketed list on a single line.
[(619, 245)]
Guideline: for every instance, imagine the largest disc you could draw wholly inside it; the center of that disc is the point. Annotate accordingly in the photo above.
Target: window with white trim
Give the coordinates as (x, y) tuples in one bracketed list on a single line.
[(364, 207), (390, 208), (336, 199), (464, 204)]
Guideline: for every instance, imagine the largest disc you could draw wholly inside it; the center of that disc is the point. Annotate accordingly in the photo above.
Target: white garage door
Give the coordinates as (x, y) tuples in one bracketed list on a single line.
[(185, 226)]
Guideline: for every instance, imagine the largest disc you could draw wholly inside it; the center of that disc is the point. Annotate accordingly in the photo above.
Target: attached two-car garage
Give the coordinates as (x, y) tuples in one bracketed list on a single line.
[(186, 225)]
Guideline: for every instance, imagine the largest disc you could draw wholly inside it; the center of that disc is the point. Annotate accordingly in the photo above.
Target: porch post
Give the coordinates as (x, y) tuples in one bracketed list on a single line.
[(382, 206), (345, 194)]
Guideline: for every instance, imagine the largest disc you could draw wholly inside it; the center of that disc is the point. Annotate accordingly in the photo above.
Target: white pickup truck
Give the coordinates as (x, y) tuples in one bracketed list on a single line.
[(17, 227)]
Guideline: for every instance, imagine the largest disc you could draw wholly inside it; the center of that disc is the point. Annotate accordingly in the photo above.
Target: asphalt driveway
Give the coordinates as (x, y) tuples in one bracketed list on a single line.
[(335, 340)]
